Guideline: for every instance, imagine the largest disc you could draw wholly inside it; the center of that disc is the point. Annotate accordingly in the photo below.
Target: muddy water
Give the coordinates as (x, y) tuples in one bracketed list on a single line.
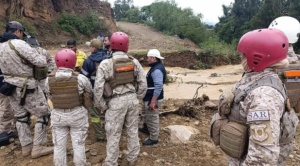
[(187, 81), (214, 81)]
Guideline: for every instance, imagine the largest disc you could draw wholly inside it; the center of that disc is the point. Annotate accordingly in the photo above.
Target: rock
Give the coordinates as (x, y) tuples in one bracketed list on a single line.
[(62, 46), (160, 161), (145, 154), (87, 150), (220, 90), (209, 104), (197, 122), (93, 152), (291, 156), (2, 147), (213, 75), (180, 134)]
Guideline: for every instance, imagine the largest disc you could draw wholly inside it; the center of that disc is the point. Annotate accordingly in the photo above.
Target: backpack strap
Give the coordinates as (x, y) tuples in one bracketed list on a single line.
[(23, 60)]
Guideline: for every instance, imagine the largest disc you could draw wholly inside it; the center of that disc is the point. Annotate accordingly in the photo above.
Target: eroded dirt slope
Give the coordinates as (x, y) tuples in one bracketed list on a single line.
[(143, 37)]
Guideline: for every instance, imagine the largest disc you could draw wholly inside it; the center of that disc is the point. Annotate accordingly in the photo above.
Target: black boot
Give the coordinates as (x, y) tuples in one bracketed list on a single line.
[(144, 129), (149, 142)]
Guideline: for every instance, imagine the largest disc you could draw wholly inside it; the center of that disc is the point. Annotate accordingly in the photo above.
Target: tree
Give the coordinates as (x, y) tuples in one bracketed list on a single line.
[(133, 15), (121, 7), (235, 21)]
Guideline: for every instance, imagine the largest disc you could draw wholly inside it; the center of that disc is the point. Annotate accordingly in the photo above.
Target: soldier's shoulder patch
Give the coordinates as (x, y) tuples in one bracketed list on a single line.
[(262, 133), (258, 116)]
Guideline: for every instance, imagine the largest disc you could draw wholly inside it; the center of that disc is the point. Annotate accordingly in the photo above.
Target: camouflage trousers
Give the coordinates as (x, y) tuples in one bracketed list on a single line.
[(75, 122), (6, 114), (122, 109), (35, 104), (98, 122), (151, 118)]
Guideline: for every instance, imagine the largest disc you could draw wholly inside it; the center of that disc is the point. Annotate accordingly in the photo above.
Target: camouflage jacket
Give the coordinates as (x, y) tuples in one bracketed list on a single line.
[(262, 108), (15, 71), (105, 72)]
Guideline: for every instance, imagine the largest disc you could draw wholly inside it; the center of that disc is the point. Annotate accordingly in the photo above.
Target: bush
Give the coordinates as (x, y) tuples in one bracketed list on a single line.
[(86, 25), (215, 53)]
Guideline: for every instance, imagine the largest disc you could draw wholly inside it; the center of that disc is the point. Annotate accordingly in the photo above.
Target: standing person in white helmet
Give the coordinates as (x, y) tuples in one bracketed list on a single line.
[(291, 28), (156, 78)]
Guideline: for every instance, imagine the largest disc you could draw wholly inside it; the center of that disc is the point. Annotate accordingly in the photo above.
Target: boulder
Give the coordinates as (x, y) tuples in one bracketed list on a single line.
[(180, 133)]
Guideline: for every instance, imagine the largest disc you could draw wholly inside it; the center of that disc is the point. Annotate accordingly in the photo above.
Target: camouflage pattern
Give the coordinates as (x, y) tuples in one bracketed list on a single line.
[(121, 108), (261, 151), (50, 64), (6, 114), (15, 72), (291, 56), (50, 59), (19, 74), (36, 105), (73, 121), (151, 118)]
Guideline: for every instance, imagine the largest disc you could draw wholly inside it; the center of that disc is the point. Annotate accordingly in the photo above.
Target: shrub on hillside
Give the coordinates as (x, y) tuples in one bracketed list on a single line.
[(87, 24)]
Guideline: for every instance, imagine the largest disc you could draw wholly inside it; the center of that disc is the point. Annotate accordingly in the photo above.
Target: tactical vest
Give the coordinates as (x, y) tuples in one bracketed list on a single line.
[(64, 93), (241, 94), (123, 72)]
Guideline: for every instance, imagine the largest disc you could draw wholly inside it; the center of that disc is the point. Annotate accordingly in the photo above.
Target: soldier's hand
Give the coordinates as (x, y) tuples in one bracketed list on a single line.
[(288, 105), (225, 101)]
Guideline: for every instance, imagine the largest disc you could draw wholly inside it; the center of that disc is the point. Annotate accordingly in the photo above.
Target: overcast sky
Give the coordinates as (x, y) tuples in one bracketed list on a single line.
[(210, 9)]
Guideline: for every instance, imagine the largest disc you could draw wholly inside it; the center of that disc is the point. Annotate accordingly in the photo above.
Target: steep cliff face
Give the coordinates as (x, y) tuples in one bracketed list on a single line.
[(43, 13)]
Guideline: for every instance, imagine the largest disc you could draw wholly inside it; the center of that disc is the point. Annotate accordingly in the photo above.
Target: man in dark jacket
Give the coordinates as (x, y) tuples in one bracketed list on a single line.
[(89, 69), (156, 78), (90, 65)]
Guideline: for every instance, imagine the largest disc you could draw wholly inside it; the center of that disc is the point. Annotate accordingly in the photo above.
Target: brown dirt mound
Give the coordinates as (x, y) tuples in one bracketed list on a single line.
[(200, 150)]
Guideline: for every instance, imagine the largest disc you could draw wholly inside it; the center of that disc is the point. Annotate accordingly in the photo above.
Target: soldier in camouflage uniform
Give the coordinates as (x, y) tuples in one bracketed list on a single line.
[(259, 103), (291, 56), (122, 92), (71, 95), (18, 61), (50, 60)]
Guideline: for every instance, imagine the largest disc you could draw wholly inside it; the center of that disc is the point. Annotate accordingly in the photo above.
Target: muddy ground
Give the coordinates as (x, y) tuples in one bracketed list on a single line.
[(199, 151)]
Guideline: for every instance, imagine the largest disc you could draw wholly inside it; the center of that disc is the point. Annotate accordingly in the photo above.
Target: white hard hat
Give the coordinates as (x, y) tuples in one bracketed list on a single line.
[(289, 26), (154, 53)]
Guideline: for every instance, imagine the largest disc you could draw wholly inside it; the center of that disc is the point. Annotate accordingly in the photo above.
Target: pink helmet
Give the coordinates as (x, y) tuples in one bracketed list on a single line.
[(263, 47), (65, 58), (119, 41)]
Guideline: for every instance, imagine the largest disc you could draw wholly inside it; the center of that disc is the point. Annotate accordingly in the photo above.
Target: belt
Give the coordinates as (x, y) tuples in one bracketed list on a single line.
[(120, 95), (66, 110)]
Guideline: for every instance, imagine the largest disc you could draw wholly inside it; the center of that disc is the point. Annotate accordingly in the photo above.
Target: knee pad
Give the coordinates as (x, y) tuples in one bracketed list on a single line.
[(44, 120), (25, 119)]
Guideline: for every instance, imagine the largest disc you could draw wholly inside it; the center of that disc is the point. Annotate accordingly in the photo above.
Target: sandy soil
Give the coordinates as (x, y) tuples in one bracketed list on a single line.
[(199, 151)]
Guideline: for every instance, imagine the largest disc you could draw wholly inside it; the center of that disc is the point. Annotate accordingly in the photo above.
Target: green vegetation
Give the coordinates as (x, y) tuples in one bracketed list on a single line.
[(246, 15), (167, 17), (86, 25), (219, 41)]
